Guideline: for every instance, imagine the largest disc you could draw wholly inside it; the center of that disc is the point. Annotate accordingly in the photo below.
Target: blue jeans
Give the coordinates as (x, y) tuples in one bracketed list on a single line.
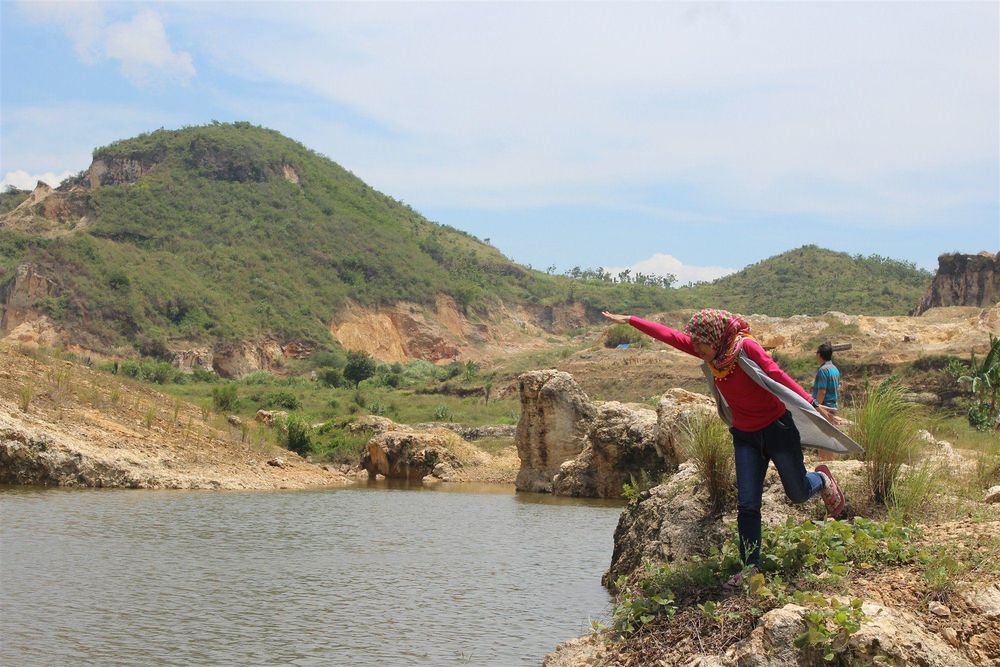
[(778, 442)]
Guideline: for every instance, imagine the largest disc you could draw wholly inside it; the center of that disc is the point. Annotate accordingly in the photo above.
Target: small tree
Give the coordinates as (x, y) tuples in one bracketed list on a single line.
[(360, 366), (984, 381)]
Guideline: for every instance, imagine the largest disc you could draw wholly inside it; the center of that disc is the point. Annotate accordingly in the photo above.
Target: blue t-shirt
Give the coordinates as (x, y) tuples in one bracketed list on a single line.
[(827, 377)]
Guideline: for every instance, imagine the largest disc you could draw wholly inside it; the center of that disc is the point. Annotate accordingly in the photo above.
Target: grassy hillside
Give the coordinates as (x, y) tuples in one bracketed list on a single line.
[(230, 232), (811, 281), (216, 241)]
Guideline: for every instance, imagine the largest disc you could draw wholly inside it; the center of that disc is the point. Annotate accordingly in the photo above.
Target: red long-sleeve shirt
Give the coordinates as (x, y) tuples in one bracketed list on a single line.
[(753, 407)]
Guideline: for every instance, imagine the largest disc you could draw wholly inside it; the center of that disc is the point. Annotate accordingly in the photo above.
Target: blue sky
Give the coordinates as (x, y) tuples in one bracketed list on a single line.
[(685, 138)]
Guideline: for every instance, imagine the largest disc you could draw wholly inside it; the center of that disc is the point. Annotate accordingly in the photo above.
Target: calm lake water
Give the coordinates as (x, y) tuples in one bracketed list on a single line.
[(381, 575)]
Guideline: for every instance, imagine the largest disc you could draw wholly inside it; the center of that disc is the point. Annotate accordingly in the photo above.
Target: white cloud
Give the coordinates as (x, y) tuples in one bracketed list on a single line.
[(143, 49), (22, 180), (760, 106), (662, 264), (139, 45)]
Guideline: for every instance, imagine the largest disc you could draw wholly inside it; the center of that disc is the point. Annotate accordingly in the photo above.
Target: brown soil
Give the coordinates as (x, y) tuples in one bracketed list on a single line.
[(132, 435)]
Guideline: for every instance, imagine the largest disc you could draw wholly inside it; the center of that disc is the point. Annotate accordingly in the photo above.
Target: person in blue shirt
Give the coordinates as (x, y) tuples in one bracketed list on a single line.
[(826, 386)]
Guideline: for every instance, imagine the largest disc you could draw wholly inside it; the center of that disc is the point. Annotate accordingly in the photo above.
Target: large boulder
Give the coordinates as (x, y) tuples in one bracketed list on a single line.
[(620, 447), (409, 455), (554, 427), (674, 520), (898, 637), (964, 280)]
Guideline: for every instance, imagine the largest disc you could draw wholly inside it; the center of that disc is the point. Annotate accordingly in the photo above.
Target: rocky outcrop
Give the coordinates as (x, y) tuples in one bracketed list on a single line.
[(897, 636), (620, 447), (554, 427), (121, 169), (234, 361), (964, 280), (20, 297), (409, 455), (674, 520), (571, 446)]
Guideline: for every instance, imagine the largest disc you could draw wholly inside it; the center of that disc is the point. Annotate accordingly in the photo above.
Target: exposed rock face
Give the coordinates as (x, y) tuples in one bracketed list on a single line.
[(121, 170), (20, 296), (554, 427), (895, 635), (197, 357), (964, 280), (621, 446), (570, 446), (409, 455), (247, 357), (673, 521)]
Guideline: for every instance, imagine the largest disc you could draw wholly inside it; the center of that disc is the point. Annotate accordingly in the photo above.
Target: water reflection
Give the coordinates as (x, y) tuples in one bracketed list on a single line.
[(370, 575)]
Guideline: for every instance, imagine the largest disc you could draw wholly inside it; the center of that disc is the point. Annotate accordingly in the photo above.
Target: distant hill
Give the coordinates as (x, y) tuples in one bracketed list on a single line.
[(811, 281), (225, 233), (231, 232)]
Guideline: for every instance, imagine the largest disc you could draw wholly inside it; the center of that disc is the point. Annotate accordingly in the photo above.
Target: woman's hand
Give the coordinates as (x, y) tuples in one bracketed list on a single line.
[(620, 319), (827, 414)]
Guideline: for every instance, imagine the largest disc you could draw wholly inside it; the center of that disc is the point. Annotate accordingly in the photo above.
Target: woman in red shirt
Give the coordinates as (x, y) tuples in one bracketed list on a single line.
[(763, 430)]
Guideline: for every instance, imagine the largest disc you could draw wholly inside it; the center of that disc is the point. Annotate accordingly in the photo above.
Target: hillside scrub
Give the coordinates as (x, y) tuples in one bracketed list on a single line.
[(225, 205)]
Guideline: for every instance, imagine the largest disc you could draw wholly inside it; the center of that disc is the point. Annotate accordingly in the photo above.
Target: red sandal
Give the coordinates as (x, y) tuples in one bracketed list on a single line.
[(833, 497)]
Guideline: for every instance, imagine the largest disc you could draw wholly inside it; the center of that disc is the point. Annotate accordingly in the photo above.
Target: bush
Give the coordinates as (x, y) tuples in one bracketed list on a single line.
[(338, 445), (226, 397), (443, 413), (330, 377), (886, 425), (282, 399), (293, 435), (199, 374), (623, 333), (707, 442), (259, 378)]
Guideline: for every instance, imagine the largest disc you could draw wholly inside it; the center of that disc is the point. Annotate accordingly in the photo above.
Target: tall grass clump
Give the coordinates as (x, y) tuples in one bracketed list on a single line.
[(912, 493), (886, 425), (707, 443)]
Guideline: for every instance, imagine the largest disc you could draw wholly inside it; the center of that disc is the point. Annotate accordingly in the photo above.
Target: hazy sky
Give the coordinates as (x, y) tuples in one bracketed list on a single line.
[(685, 138)]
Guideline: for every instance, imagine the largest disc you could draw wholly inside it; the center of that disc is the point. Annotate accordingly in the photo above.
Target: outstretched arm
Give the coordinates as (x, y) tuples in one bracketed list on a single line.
[(661, 332)]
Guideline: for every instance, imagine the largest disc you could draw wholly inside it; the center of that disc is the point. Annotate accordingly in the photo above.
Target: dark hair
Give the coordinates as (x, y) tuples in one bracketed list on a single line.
[(825, 351)]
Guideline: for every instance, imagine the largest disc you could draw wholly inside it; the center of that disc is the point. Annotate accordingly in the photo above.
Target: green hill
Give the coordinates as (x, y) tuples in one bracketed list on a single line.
[(231, 232), (811, 281)]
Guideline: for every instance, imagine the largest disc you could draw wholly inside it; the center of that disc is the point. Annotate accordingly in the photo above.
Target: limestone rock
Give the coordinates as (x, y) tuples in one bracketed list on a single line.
[(372, 424), (235, 361), (964, 280), (267, 417), (895, 635), (554, 426), (992, 495), (621, 446), (673, 521), (277, 462), (234, 420), (407, 455), (671, 412), (585, 651), (938, 609)]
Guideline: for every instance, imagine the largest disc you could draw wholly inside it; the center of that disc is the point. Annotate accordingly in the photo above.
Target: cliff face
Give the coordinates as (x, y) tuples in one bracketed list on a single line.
[(964, 280)]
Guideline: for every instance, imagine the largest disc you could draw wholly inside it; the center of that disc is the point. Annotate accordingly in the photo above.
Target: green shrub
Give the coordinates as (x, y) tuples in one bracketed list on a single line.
[(886, 425), (259, 378), (338, 445), (623, 333), (282, 399), (293, 435), (199, 374), (442, 413), (707, 442), (912, 492), (330, 377), (226, 397)]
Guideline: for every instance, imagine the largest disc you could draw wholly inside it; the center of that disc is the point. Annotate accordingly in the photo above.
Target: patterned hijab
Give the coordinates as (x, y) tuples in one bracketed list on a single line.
[(724, 332)]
